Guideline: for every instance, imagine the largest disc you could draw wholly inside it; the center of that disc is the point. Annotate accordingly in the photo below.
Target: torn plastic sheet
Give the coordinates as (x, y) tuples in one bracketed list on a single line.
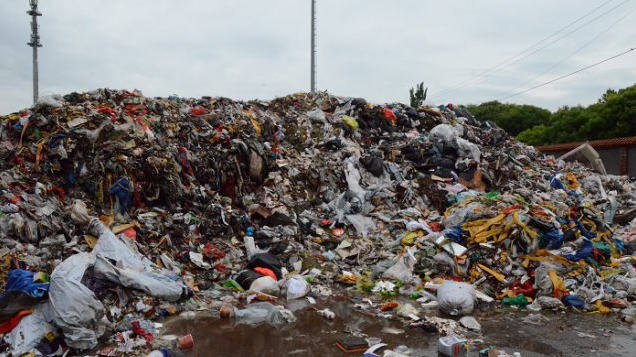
[(353, 180), (363, 225), (75, 308), (131, 269)]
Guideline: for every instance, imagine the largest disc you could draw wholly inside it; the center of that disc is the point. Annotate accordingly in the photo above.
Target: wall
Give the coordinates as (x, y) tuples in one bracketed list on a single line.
[(611, 159)]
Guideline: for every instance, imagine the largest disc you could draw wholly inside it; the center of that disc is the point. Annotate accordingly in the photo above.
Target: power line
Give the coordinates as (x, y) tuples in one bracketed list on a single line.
[(575, 52), (568, 75), (542, 47), (513, 58)]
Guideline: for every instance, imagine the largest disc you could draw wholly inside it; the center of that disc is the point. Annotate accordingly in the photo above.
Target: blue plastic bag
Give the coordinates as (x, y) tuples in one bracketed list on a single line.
[(22, 280)]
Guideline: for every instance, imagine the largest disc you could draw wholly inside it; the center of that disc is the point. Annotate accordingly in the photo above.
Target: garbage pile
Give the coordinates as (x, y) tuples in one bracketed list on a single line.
[(119, 209)]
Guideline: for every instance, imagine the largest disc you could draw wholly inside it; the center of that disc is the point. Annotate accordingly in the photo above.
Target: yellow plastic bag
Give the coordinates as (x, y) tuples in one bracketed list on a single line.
[(351, 122)]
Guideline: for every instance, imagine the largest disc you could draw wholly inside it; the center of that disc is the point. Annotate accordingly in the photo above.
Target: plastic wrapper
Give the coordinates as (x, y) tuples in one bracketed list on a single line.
[(263, 312)]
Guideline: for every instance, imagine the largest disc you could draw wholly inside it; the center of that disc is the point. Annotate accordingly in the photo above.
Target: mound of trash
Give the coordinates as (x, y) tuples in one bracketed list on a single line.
[(119, 209)]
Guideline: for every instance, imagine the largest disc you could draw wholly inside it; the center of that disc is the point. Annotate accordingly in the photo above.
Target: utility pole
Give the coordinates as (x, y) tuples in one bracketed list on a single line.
[(313, 46), (35, 43)]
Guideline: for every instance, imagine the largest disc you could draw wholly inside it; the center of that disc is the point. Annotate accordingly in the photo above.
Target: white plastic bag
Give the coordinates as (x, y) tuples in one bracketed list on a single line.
[(445, 133), (468, 149), (317, 115), (297, 287), (403, 269), (265, 285), (455, 298)]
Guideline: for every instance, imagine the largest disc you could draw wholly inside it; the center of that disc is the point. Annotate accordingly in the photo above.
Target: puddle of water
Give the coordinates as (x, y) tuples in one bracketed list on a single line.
[(567, 334)]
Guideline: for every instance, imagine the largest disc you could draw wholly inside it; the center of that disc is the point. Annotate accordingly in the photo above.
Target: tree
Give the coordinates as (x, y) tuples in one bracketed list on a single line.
[(606, 95), (613, 116), (538, 135), (513, 118), (418, 95)]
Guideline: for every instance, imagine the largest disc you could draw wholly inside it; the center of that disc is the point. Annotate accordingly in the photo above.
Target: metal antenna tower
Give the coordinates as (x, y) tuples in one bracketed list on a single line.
[(35, 43), (313, 46)]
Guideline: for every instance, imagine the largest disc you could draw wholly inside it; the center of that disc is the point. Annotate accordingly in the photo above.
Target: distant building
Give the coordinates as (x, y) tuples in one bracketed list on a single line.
[(618, 155)]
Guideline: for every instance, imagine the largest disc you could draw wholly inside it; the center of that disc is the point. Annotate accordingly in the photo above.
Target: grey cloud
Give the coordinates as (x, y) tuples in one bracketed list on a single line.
[(260, 48)]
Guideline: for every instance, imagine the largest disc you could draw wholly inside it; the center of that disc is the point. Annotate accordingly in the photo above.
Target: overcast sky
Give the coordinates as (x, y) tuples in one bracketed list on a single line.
[(376, 49)]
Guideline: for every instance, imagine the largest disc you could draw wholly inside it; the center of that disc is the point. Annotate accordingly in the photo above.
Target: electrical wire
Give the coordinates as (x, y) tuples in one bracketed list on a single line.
[(569, 74), (516, 58), (573, 53)]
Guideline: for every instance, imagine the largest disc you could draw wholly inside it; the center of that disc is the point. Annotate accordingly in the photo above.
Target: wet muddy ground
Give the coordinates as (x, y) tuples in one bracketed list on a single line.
[(565, 334)]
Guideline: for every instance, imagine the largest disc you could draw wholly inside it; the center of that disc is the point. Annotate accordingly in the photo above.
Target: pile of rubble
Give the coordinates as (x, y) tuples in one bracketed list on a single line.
[(141, 207)]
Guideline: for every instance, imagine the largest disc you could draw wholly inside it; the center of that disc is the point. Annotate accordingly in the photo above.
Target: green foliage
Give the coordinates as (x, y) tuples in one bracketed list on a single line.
[(418, 95), (513, 118), (535, 136), (613, 116)]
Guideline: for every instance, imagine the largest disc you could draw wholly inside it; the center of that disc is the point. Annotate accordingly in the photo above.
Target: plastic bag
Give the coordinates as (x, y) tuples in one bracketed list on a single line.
[(265, 285), (415, 225), (455, 298), (585, 251), (53, 100), (468, 149), (79, 212), (445, 133), (297, 288), (547, 302), (317, 115), (403, 269), (351, 122), (247, 278), (22, 280), (374, 164), (266, 260), (460, 214), (263, 312), (74, 306)]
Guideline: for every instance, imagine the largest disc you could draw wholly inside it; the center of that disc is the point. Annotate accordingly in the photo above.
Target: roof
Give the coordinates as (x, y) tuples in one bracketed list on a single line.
[(597, 144)]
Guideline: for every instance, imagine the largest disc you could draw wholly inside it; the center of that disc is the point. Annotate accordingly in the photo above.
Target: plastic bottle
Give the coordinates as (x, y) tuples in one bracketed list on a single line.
[(452, 346)]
